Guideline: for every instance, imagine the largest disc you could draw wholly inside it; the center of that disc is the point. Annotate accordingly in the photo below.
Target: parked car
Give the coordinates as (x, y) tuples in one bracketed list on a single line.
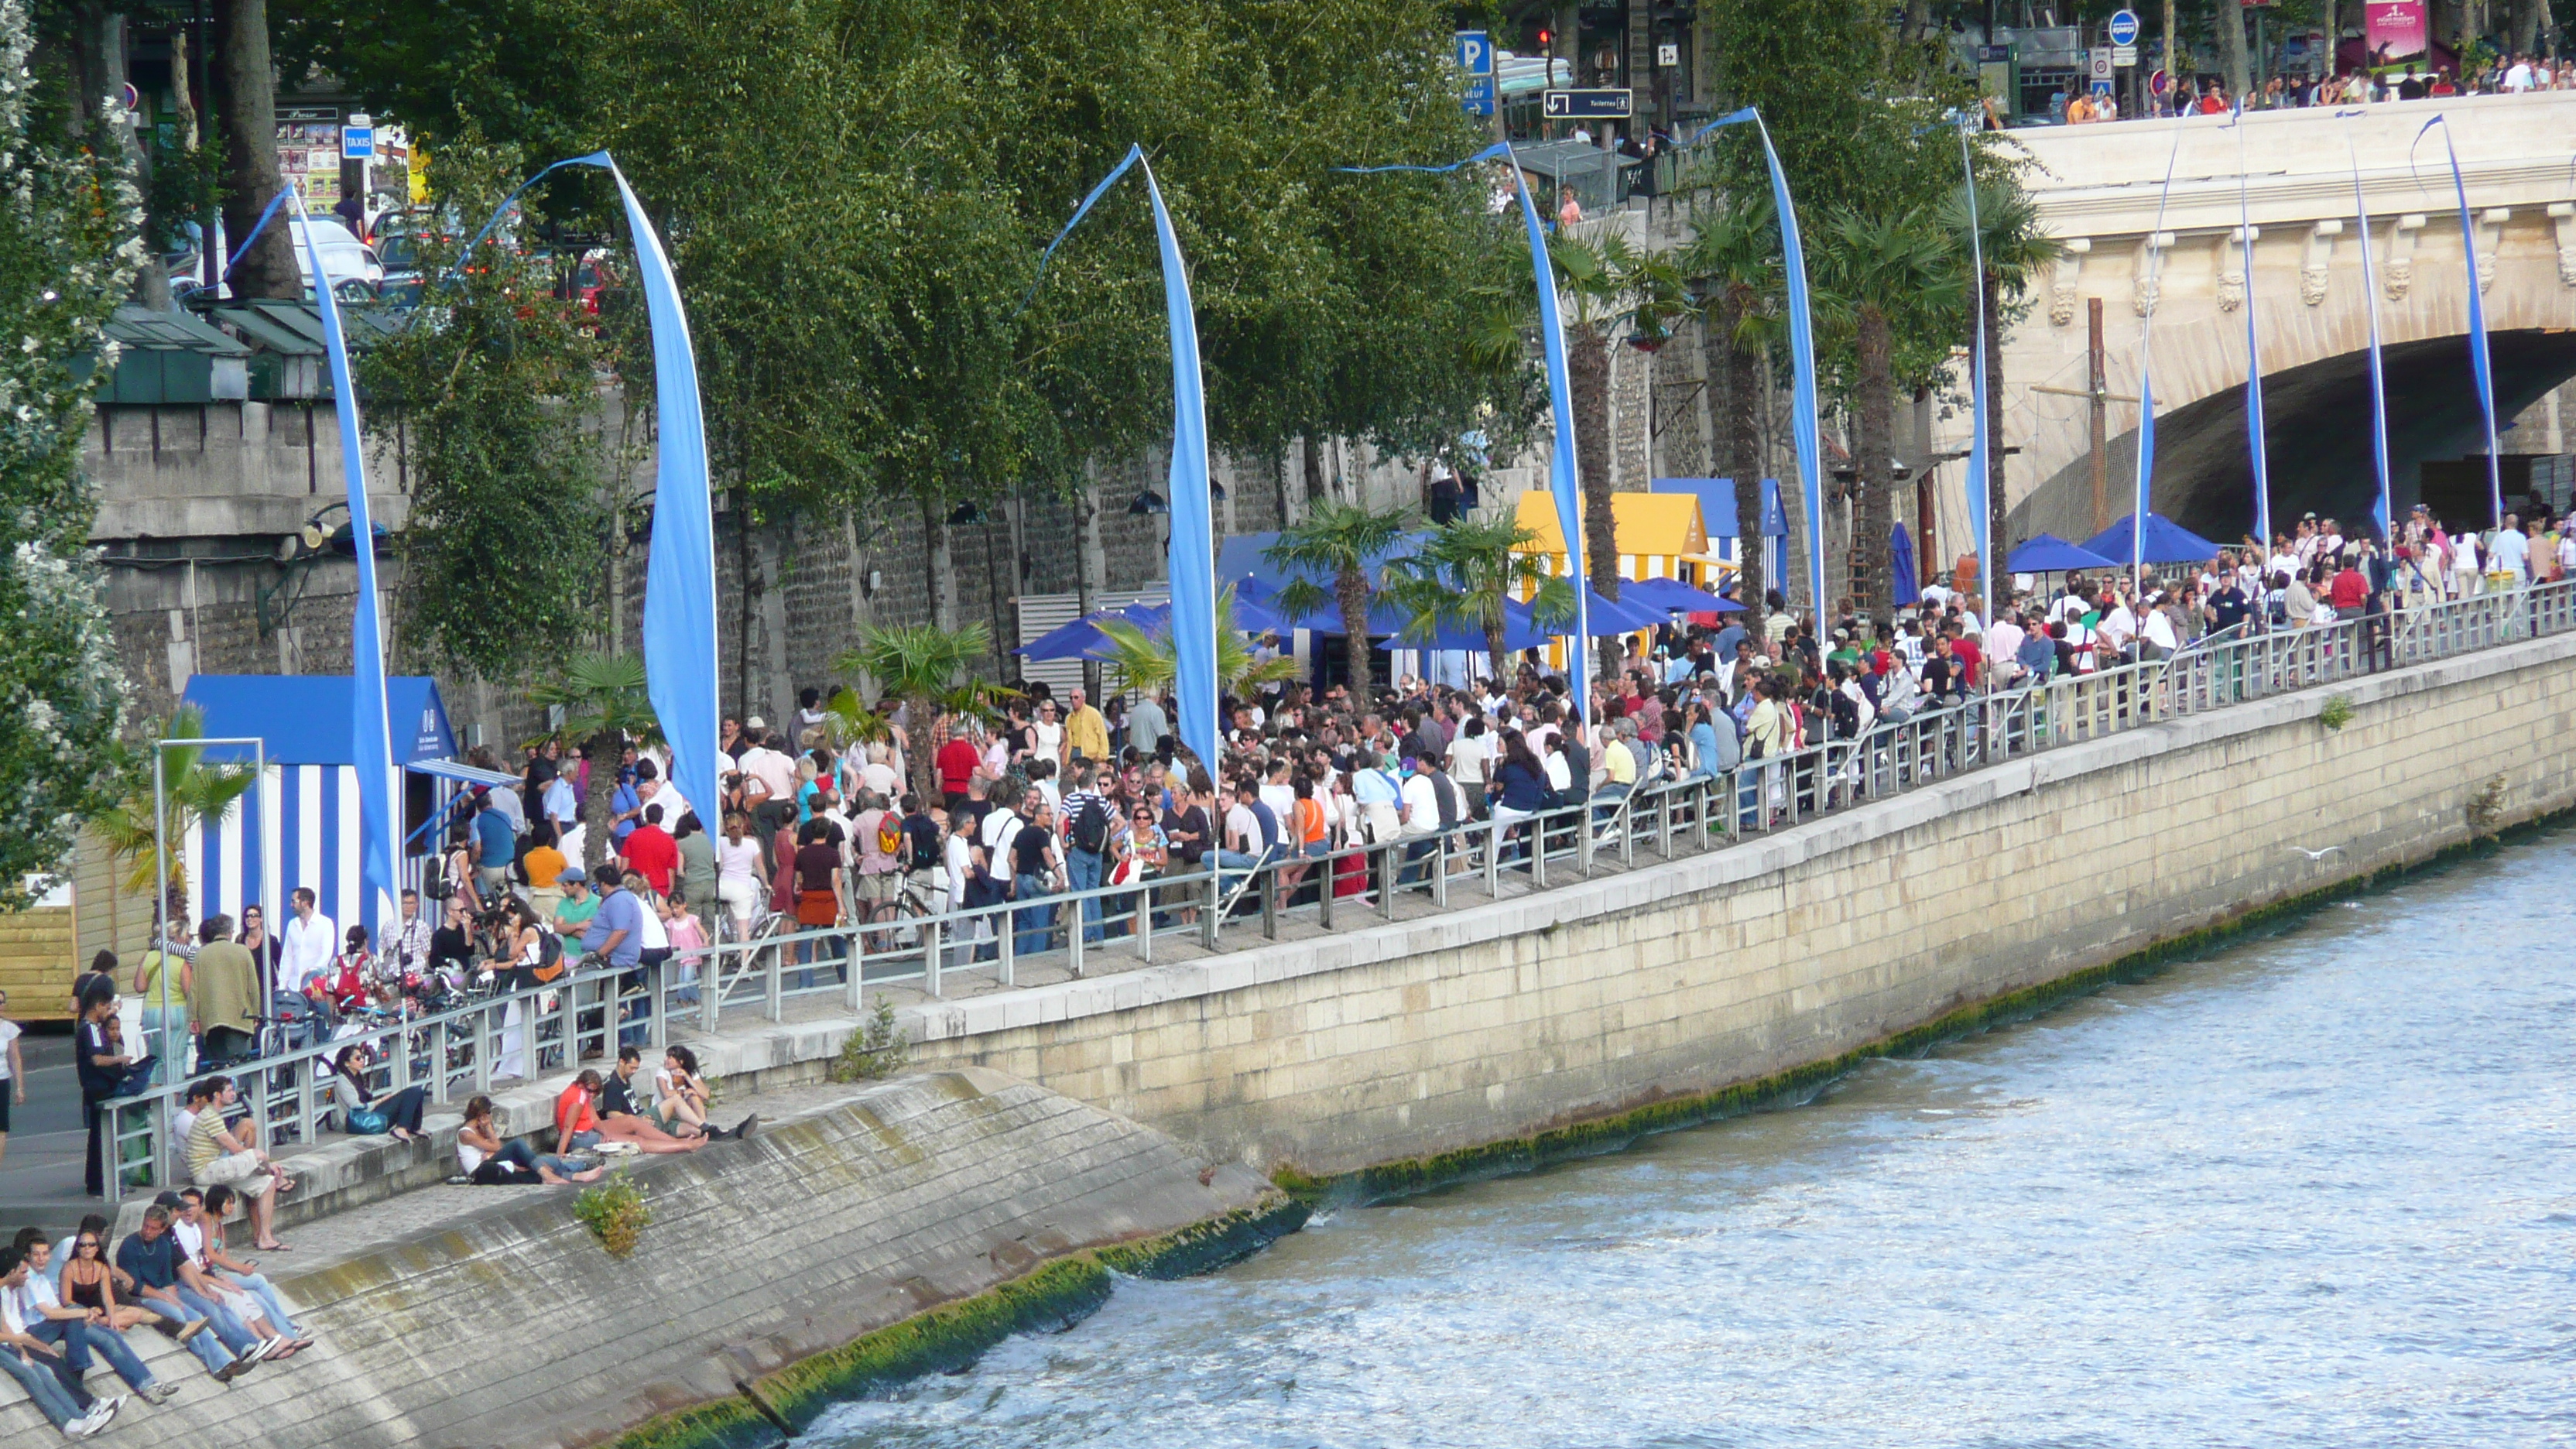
[(344, 258)]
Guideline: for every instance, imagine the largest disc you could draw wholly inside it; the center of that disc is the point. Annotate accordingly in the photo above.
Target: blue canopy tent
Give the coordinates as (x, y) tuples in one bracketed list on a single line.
[(2049, 554), (304, 815), (2166, 542), (1626, 616), (1242, 559), (1908, 588), (1674, 597), (1520, 631)]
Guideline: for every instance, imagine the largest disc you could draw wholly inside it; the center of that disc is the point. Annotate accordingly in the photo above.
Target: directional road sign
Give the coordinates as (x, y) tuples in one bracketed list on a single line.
[(1476, 58), (2124, 27), (1571, 105)]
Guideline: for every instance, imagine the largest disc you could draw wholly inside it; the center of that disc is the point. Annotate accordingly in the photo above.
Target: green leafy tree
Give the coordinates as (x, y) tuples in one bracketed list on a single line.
[(69, 251), (489, 383), (605, 706), (1341, 542), (1465, 572), (928, 670)]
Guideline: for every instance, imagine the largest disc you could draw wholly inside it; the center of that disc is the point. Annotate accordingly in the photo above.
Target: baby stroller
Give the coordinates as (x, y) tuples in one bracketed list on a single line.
[(296, 1021)]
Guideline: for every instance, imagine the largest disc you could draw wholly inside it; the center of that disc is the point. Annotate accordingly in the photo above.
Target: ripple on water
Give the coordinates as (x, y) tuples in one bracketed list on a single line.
[(2317, 1189)]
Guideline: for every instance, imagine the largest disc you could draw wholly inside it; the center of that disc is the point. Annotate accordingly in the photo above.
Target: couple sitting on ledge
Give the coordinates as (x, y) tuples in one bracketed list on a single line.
[(592, 1111)]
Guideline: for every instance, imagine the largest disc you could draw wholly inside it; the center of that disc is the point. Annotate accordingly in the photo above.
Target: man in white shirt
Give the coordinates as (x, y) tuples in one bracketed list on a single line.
[(2508, 552), (2517, 78), (2119, 629), (771, 785), (559, 804), (311, 941)]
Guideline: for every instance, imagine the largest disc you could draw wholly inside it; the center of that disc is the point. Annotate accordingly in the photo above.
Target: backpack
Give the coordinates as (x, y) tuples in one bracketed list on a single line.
[(925, 849), (890, 836), (1090, 828), (550, 961)]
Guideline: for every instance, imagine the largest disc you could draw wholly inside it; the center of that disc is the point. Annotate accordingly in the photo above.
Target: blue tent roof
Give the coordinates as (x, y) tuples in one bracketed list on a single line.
[(1519, 632), (306, 718), (1240, 559), (1672, 595), (2166, 542), (2048, 554)]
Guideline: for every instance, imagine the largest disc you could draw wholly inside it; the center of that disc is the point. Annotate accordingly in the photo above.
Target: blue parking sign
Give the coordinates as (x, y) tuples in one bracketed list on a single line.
[(1476, 58)]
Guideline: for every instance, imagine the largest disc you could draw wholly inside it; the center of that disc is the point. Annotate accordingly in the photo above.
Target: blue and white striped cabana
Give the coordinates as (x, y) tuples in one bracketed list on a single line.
[(304, 815)]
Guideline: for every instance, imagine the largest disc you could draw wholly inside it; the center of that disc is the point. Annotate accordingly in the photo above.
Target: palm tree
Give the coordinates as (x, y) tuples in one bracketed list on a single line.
[(605, 705), (1464, 573), (1735, 253), (926, 669), (1338, 541), (193, 792), (1883, 266), (2016, 251), (1594, 277), (1151, 662)]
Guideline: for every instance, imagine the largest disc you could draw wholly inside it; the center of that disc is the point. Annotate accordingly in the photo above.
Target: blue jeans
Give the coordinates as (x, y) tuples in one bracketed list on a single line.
[(1036, 924), (1239, 863), (42, 1386), (224, 1337), (1082, 869), (79, 1340), (258, 1286)]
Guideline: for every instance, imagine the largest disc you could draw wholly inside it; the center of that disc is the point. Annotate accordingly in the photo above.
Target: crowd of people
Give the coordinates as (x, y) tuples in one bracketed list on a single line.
[(2515, 74)]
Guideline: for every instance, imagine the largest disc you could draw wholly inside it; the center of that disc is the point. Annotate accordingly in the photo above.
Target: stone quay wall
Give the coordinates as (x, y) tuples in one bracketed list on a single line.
[(470, 1316), (1399, 1044)]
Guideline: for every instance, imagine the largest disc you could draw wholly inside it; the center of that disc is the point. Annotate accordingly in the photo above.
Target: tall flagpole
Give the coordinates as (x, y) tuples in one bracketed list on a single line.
[(2153, 291), (2378, 375), (1980, 504), (2256, 441)]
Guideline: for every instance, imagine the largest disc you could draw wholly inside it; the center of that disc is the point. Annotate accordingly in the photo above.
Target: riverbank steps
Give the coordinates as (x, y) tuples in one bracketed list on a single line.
[(1470, 1042), (883, 1232)]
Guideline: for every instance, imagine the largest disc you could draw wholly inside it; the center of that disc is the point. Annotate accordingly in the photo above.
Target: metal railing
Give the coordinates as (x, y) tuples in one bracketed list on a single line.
[(1116, 927)]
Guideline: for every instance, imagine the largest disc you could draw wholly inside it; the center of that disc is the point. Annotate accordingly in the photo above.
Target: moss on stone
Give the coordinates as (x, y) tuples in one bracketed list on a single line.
[(953, 1336), (1614, 1131)]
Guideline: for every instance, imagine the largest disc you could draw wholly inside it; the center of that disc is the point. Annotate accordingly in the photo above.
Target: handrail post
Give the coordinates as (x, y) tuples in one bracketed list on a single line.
[(931, 956), (568, 1005), (1209, 928), (773, 985), (1005, 931), (711, 985), (1073, 934), (856, 959)]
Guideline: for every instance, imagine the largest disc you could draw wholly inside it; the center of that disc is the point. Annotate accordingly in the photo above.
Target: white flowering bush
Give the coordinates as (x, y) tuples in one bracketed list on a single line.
[(70, 245)]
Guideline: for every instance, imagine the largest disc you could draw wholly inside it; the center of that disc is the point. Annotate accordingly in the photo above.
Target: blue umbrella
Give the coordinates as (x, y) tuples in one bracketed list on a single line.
[(2049, 554), (1673, 596), (1622, 617), (1900, 557), (1076, 640), (2166, 542)]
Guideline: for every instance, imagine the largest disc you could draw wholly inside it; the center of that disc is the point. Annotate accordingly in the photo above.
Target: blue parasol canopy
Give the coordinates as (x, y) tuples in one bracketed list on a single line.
[(1673, 596), (1519, 632), (2166, 542), (2049, 554), (1900, 556)]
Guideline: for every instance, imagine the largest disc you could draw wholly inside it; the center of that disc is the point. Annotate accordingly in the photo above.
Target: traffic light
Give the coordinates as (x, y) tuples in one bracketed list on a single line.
[(1546, 37)]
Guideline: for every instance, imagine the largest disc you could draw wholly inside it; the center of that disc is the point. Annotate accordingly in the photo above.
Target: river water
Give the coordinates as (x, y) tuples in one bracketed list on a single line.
[(2314, 1189)]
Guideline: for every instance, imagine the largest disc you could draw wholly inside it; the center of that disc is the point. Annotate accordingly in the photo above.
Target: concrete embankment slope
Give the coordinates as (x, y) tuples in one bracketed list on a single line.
[(1500, 1034), (880, 1234)]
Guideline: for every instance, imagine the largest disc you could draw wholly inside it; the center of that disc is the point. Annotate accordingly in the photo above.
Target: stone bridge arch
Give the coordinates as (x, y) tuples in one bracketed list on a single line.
[(2098, 188)]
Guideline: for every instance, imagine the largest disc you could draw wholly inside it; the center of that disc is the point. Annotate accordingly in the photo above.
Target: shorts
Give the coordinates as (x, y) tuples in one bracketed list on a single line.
[(8, 1089), (880, 886), (240, 1171)]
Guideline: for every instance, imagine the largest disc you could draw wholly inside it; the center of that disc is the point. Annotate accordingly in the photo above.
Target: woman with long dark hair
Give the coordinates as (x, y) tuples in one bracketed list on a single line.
[(361, 1114)]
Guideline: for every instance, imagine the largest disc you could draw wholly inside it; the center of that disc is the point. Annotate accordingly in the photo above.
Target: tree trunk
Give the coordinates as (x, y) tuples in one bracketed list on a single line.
[(1314, 470), (247, 110), (601, 752), (2231, 48), (919, 760), (1088, 567), (1872, 507), (1742, 431), (1641, 66), (2524, 23), (942, 563), (746, 589), (1350, 590), (1589, 364)]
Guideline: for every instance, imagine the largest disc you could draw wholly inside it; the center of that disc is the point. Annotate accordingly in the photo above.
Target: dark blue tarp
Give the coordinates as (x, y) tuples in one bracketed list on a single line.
[(1900, 554), (305, 717), (2166, 542), (2049, 554), (1240, 558), (1673, 596)]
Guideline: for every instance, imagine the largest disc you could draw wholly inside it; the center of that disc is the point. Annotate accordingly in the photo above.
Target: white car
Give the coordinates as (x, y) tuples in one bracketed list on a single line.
[(345, 259)]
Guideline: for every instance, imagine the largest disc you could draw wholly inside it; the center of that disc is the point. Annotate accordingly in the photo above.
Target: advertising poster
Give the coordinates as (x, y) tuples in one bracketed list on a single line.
[(2395, 31)]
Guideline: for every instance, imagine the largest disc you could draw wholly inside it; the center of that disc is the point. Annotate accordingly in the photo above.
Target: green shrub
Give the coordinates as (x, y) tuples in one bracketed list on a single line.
[(875, 1050), (2337, 712), (614, 1211)]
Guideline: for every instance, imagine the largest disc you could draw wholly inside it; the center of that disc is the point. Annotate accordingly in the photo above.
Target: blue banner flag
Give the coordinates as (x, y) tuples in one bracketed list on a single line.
[(1192, 564), (1803, 427), (372, 749), (2256, 443), (680, 577), (2144, 501), (2479, 365), (1565, 486), (1980, 504), (2380, 511)]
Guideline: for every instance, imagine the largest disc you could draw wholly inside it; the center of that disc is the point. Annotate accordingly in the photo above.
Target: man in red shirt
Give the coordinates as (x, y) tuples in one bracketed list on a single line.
[(652, 852), (956, 761), (1971, 659), (2349, 591)]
